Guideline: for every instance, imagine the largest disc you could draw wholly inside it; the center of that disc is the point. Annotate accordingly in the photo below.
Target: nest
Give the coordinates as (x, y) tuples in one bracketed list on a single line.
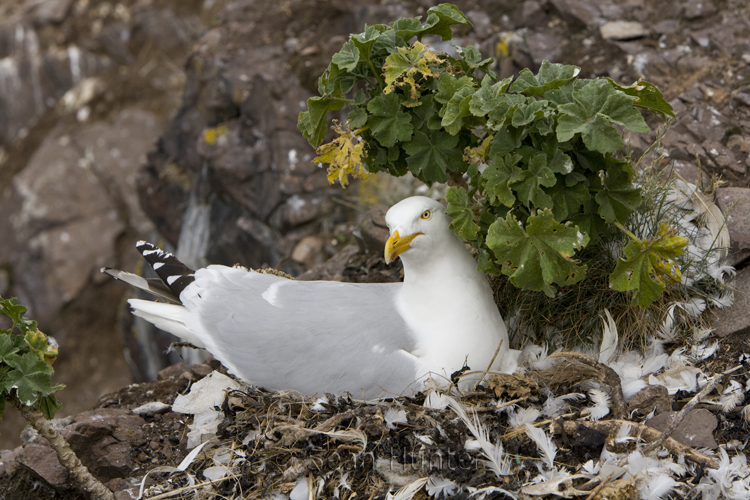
[(280, 443)]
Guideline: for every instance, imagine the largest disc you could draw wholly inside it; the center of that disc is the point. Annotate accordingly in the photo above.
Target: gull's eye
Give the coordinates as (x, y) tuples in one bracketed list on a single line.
[(425, 215)]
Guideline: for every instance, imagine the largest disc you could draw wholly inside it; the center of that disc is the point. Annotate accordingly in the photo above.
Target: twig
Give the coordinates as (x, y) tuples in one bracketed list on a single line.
[(492, 362), (599, 487), (610, 428), (65, 455), (609, 377)]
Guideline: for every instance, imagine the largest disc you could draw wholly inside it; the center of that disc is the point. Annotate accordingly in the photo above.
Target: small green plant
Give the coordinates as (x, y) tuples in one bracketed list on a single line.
[(26, 357), (534, 163)]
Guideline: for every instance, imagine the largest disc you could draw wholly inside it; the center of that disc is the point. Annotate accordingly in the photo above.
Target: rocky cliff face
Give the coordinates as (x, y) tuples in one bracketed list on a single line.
[(175, 121)]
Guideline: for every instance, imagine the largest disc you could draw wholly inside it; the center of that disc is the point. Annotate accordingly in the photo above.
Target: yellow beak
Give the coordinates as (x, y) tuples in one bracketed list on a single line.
[(396, 245)]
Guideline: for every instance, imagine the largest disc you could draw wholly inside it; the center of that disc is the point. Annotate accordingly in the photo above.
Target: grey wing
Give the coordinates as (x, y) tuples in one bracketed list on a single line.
[(312, 337)]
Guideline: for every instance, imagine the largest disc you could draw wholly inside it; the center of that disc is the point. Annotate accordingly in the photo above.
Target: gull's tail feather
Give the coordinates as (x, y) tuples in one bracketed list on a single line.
[(172, 272), (151, 285), (171, 318)]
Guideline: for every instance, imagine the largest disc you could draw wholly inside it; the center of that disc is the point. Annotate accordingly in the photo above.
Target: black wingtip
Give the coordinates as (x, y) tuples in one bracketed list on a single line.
[(172, 272)]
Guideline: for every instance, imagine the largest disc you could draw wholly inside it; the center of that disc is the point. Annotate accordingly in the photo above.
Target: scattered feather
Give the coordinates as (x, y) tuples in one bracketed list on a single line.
[(440, 487), (407, 492), (496, 458), (732, 396), (555, 406), (436, 401), (522, 417), (701, 352), (393, 416), (658, 486), (721, 300), (608, 348), (601, 404), (320, 404), (544, 444)]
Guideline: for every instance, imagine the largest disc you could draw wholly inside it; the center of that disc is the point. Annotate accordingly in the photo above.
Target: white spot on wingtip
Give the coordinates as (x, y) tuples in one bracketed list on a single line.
[(158, 265), (149, 252), (172, 279)]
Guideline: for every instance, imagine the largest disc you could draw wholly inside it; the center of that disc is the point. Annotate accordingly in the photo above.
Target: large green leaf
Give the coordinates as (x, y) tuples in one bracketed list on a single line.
[(648, 264), (387, 122), (529, 112), (314, 122), (539, 255), (550, 77), (497, 177), (11, 308), (647, 96), (448, 85), (459, 208), (618, 198), (10, 345), (597, 106), (49, 405), (31, 378), (348, 57), (489, 96), (431, 156), (506, 140), (366, 40), (533, 178), (566, 200), (457, 109), (426, 115), (440, 18)]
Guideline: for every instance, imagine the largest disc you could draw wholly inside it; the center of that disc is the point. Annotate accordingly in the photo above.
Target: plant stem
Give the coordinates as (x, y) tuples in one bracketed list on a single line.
[(624, 230), (375, 72), (67, 457)]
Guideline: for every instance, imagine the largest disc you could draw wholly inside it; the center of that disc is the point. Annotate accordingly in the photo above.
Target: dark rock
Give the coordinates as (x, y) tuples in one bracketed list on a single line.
[(51, 11), (373, 229), (104, 439), (695, 431), (650, 398), (688, 171), (201, 369), (695, 9), (734, 203), (533, 15), (333, 268), (579, 13), (173, 371), (735, 319), (723, 157), (542, 46), (43, 460)]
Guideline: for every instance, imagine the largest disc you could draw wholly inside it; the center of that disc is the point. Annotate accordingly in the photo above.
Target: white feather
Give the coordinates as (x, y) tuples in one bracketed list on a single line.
[(496, 458), (440, 487), (407, 492), (601, 404), (522, 417), (544, 445), (393, 416), (659, 486), (608, 348)]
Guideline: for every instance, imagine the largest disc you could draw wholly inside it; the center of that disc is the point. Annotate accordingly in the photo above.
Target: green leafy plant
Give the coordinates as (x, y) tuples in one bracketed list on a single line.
[(533, 162), (26, 357)]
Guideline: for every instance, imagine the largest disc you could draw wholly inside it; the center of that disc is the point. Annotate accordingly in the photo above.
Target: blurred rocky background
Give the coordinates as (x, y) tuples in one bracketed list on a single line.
[(175, 121)]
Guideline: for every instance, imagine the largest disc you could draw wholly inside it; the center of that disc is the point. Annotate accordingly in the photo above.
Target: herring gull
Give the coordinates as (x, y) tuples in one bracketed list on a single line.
[(367, 339)]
